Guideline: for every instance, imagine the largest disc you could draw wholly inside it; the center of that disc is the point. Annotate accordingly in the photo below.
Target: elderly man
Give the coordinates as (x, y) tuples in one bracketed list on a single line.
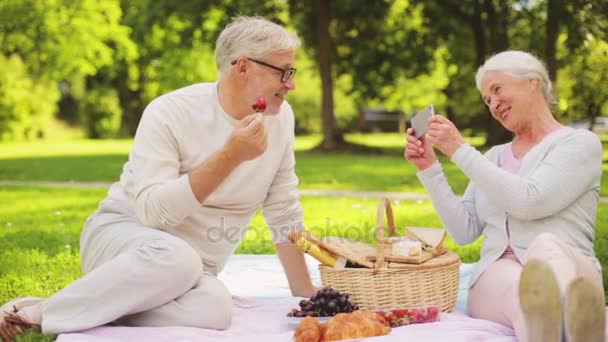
[(203, 162)]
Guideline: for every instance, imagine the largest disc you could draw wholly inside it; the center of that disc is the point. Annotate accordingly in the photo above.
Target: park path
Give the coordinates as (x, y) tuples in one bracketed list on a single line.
[(303, 192)]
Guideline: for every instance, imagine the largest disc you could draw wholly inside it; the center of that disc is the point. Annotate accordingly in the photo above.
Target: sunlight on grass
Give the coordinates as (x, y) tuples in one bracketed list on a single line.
[(394, 140), (306, 142), (51, 148)]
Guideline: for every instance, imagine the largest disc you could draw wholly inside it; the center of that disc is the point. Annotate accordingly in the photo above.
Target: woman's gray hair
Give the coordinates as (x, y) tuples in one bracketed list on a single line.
[(253, 37), (519, 64)]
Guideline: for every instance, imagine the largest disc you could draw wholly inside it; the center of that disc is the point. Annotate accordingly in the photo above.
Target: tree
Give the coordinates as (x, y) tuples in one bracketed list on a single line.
[(580, 20), (59, 40), (175, 42), (375, 42), (582, 77), (497, 25), (25, 104), (486, 23), (331, 135)]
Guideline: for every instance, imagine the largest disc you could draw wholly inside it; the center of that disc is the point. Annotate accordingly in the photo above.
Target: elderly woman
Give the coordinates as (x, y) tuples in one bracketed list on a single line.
[(534, 200)]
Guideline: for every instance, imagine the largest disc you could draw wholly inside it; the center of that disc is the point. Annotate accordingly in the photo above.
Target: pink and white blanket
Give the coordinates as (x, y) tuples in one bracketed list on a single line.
[(266, 321), (262, 299)]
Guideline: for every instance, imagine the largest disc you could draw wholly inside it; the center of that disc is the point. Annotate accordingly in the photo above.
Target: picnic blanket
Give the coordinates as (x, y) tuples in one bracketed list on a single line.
[(262, 299)]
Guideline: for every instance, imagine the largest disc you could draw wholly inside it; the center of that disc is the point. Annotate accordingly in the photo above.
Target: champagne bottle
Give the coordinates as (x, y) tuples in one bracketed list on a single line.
[(323, 256)]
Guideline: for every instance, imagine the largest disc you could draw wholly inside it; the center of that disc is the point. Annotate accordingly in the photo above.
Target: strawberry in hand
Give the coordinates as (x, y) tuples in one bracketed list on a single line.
[(259, 105)]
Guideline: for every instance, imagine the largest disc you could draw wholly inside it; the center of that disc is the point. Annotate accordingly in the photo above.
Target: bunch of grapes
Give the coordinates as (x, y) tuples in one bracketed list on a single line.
[(327, 302)]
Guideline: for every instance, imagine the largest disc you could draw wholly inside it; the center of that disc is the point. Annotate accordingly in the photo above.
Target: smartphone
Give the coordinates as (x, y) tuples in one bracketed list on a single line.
[(420, 121)]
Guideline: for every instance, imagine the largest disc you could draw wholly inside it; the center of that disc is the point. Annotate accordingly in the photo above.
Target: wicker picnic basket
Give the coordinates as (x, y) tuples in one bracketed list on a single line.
[(384, 284)]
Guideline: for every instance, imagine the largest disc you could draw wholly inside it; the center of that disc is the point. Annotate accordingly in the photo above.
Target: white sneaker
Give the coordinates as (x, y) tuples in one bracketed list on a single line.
[(540, 301), (584, 312)]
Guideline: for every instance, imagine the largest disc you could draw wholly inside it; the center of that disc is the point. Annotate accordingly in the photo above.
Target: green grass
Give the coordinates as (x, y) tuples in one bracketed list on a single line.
[(41, 228), (39, 252), (88, 160)]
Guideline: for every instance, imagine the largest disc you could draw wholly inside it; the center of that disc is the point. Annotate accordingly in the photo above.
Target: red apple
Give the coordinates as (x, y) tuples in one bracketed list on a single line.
[(259, 105)]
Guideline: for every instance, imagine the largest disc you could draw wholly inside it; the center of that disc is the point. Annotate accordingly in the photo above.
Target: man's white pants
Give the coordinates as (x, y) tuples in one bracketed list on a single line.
[(138, 276)]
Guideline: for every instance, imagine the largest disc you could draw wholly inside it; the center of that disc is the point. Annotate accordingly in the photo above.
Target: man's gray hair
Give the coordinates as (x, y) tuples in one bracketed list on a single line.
[(521, 65), (253, 37)]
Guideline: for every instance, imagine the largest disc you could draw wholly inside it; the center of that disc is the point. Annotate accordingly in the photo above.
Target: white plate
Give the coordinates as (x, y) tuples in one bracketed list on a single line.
[(293, 322)]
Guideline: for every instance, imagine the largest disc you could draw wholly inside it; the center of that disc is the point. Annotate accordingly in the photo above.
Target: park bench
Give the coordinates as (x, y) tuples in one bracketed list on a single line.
[(378, 119)]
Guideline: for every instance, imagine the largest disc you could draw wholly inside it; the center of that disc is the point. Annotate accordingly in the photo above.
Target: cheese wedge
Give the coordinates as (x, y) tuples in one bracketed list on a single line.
[(431, 238)]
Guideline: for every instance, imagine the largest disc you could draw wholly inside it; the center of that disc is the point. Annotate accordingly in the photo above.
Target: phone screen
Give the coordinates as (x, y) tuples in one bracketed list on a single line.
[(420, 121)]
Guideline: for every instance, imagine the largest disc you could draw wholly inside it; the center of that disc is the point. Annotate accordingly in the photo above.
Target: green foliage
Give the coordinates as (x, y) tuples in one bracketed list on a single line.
[(57, 38), (25, 105), (101, 113), (413, 94), (581, 97), (584, 19), (398, 54), (172, 60), (374, 43), (306, 99)]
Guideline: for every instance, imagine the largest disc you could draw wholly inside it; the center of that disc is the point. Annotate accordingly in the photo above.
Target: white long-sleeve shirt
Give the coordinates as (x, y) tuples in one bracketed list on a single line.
[(177, 132), (556, 191)]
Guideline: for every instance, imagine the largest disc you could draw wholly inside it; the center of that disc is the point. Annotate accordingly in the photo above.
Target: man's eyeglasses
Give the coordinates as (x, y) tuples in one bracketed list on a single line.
[(288, 73)]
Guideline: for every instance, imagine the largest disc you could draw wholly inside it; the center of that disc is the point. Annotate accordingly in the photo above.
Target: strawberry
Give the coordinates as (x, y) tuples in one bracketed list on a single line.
[(259, 105), (432, 313), (399, 312)]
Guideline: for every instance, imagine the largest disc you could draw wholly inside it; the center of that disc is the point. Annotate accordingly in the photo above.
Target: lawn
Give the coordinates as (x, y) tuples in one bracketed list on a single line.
[(87, 160), (41, 228), (39, 251)]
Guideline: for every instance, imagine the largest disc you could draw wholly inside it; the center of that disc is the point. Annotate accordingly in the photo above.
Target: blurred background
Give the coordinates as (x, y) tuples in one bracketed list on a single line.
[(88, 68)]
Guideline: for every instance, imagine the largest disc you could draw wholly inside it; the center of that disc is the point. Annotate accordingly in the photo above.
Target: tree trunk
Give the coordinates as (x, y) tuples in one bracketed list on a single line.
[(132, 109), (332, 137), (553, 14), (497, 20), (478, 34)]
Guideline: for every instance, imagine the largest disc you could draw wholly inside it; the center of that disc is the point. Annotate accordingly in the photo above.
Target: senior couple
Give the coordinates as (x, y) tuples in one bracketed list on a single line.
[(202, 158)]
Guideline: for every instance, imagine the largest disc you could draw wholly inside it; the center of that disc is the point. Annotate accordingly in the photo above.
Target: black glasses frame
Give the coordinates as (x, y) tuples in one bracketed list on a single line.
[(286, 75)]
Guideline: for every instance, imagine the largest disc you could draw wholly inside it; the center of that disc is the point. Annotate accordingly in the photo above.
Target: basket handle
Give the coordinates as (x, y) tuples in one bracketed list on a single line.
[(384, 208)]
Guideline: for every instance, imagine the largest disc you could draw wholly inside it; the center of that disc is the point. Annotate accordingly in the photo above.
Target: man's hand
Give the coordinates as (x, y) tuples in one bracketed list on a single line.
[(444, 135), (249, 139), (419, 151)]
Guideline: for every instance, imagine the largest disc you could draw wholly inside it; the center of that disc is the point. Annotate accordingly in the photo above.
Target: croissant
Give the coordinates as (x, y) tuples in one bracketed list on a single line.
[(343, 326), (357, 324), (309, 330)]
